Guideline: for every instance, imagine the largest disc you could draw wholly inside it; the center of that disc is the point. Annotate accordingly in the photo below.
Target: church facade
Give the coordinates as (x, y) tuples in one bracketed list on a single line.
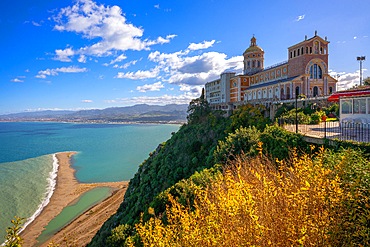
[(304, 74)]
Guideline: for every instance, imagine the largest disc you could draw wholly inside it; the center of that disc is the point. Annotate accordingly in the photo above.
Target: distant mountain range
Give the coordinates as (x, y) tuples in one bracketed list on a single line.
[(142, 113)]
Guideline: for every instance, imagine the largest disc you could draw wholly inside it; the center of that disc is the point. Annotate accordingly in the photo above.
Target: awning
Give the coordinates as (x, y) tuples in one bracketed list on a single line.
[(335, 96)]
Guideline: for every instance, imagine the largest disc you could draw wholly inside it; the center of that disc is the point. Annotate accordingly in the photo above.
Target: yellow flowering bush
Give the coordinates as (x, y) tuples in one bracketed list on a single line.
[(254, 204)]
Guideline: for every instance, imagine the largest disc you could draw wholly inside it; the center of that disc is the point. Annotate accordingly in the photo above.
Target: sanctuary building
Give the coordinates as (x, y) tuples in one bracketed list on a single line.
[(304, 75)]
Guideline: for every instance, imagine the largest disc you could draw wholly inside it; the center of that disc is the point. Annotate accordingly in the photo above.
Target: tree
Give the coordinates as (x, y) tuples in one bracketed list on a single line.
[(249, 115), (198, 109), (12, 233), (367, 81)]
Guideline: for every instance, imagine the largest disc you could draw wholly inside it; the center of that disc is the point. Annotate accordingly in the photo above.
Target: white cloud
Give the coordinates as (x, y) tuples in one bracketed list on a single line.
[(150, 87), (108, 24), (82, 59), (53, 72), (157, 100), (118, 59), (180, 68), (16, 80), (139, 75), (86, 101), (64, 55), (346, 80), (355, 37), (199, 46), (36, 24), (156, 6), (300, 17), (184, 68), (126, 65)]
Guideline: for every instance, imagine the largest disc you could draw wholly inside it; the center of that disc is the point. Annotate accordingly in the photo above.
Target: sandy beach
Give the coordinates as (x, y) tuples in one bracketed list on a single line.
[(67, 191)]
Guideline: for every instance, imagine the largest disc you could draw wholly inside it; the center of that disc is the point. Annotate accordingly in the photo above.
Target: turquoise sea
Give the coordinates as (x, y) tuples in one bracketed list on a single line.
[(106, 153)]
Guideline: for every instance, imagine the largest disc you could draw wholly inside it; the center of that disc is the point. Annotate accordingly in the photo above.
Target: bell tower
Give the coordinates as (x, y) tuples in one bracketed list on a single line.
[(253, 58)]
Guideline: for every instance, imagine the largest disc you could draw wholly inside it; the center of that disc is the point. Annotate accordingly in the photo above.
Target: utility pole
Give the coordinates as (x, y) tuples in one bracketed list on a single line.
[(361, 58)]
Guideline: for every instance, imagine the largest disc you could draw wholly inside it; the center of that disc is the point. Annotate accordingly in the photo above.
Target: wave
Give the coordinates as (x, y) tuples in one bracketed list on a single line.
[(52, 181)]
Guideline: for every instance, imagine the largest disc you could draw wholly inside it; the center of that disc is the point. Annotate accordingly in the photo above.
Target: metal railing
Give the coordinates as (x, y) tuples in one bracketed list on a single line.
[(344, 131)]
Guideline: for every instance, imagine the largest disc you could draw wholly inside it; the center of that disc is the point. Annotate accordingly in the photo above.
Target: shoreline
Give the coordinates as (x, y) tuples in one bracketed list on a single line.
[(96, 122), (67, 191)]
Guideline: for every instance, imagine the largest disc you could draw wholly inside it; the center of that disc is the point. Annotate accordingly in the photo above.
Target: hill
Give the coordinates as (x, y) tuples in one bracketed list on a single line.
[(205, 157), (138, 113)]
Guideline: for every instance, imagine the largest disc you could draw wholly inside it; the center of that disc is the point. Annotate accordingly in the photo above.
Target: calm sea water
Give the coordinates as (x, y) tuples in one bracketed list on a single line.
[(106, 153)]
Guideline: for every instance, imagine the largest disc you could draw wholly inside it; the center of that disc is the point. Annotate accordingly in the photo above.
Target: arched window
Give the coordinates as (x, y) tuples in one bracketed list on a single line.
[(315, 91), (282, 96), (248, 64), (259, 64), (330, 90), (315, 72), (288, 93)]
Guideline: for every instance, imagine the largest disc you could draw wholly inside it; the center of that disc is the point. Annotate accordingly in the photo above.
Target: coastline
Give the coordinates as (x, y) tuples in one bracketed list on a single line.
[(67, 191)]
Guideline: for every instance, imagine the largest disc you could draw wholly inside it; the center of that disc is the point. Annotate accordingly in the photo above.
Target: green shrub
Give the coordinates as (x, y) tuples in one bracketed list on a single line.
[(290, 117), (243, 141), (316, 117)]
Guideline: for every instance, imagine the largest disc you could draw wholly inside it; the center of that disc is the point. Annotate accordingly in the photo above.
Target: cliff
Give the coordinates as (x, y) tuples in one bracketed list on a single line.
[(181, 176), (193, 152)]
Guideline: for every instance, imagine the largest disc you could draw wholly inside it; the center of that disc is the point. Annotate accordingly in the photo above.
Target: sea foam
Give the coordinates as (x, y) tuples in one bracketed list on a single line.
[(52, 181)]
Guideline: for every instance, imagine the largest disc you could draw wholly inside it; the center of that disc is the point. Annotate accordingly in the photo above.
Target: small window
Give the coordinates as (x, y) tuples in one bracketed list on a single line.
[(359, 106), (346, 106), (330, 90)]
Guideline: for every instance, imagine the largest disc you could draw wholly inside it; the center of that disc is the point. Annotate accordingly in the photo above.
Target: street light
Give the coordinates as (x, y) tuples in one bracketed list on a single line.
[(361, 58), (296, 109)]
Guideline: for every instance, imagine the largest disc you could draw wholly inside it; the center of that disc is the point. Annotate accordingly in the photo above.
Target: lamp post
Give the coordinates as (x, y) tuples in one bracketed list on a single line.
[(296, 112), (361, 58)]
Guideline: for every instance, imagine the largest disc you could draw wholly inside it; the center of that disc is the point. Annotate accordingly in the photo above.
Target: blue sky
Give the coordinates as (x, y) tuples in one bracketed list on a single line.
[(108, 53)]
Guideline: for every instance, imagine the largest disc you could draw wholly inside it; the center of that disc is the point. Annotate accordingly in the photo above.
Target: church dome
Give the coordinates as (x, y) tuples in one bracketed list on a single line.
[(253, 46), (253, 49)]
